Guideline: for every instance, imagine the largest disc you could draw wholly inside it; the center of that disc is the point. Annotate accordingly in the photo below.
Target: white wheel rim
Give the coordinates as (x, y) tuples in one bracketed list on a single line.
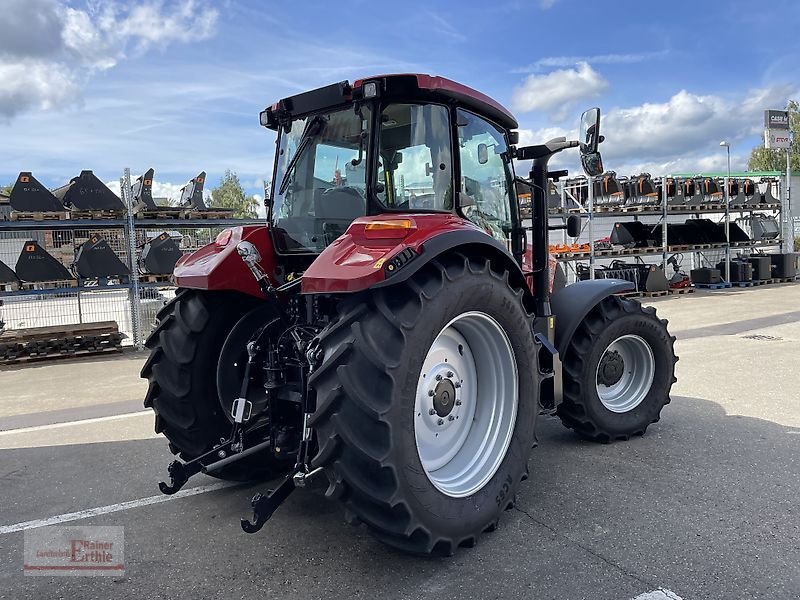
[(462, 440), (625, 373)]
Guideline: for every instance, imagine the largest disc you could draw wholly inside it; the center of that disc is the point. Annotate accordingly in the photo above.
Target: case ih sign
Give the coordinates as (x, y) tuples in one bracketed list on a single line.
[(776, 119)]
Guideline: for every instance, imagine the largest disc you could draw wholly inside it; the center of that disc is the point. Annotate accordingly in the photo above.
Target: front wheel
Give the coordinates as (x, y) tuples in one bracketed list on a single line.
[(619, 368), (427, 397)]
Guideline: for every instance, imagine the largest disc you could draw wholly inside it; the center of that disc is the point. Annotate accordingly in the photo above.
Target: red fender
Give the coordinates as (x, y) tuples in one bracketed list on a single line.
[(217, 266), (375, 249)]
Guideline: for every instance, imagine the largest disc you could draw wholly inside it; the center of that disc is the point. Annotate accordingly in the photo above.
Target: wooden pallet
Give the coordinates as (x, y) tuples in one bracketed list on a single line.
[(743, 284), (41, 343), (47, 285), (150, 278), (712, 286), (211, 214), (164, 213), (96, 214), (22, 359), (680, 291), (39, 215), (641, 294)]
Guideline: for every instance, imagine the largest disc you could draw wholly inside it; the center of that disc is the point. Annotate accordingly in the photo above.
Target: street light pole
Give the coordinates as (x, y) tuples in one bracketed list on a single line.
[(727, 214)]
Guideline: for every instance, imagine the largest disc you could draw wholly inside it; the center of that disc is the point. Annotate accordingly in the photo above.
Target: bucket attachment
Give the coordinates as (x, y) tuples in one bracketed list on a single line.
[(646, 278), (28, 195), (693, 191), (759, 227), (712, 191), (762, 266), (7, 274), (608, 191), (736, 195), (644, 191), (674, 190), (192, 193), (159, 255), (767, 197), (749, 190), (35, 264), (634, 234), (142, 191), (95, 258), (784, 265), (87, 192)]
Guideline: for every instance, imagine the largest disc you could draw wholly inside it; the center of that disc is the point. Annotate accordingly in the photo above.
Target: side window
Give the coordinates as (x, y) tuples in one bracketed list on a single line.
[(414, 162), (485, 175)]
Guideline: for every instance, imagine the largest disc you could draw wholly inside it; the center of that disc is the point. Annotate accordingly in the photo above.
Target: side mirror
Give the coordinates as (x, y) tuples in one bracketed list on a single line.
[(592, 164), (573, 226), (483, 154), (513, 138), (589, 135)]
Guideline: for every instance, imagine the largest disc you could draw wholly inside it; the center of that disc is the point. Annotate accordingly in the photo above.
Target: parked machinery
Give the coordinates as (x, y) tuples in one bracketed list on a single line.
[(87, 192), (406, 360), (28, 195)]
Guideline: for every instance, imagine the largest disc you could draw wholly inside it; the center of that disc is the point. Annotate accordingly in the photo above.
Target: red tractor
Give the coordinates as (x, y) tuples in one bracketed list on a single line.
[(392, 328)]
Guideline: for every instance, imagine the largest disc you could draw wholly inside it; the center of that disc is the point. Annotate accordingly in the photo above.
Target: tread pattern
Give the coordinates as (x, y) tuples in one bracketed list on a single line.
[(573, 411), (181, 369), (353, 431)]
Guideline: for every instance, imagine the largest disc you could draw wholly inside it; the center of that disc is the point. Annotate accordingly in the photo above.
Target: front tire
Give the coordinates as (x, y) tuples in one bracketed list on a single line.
[(619, 368), (388, 350)]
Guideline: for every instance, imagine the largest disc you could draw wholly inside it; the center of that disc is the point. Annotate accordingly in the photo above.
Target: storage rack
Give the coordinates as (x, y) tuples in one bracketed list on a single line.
[(134, 302), (663, 211)]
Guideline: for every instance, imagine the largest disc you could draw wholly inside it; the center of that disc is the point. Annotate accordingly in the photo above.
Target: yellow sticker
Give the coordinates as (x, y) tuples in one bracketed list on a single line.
[(379, 263)]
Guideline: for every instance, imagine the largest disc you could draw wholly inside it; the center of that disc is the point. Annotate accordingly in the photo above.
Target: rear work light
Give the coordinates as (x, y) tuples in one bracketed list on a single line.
[(223, 237), (388, 229)]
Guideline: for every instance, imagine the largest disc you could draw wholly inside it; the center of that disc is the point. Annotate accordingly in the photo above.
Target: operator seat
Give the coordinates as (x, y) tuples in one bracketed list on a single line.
[(335, 208)]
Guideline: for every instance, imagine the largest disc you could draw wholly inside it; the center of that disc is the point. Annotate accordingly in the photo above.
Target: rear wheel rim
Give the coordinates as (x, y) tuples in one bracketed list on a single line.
[(625, 373), (466, 404)]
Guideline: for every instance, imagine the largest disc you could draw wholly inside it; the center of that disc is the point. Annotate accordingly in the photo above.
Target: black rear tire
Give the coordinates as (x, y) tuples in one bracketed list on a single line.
[(366, 388), (582, 409), (185, 348)]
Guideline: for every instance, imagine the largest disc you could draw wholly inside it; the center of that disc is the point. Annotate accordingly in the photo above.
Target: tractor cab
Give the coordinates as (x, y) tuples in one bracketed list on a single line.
[(394, 144)]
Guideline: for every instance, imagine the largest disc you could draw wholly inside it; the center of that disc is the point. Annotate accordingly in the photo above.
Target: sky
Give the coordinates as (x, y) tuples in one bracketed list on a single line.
[(177, 85)]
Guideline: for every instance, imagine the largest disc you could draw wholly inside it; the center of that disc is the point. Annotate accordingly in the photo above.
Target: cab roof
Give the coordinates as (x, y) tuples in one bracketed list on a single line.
[(406, 86)]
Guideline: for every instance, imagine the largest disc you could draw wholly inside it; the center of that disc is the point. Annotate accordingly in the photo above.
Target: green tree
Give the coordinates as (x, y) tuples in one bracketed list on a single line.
[(762, 159), (6, 189), (230, 194)]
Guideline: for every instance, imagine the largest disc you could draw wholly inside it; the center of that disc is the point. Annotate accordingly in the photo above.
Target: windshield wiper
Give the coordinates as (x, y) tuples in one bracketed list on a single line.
[(313, 128)]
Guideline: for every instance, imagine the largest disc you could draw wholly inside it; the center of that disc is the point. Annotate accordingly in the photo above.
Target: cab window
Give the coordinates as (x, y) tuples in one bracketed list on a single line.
[(414, 162), (486, 175)]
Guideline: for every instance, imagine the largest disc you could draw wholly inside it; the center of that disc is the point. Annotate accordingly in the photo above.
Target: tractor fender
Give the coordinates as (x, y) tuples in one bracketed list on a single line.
[(217, 266), (571, 304), (356, 262)]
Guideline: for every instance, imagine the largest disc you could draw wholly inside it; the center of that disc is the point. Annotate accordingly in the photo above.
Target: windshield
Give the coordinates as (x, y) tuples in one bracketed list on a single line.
[(320, 179)]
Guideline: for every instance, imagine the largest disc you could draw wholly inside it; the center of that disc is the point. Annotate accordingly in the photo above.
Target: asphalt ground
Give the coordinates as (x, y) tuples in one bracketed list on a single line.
[(706, 504)]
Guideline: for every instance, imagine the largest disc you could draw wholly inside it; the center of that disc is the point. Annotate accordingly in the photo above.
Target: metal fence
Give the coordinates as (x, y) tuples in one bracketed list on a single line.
[(132, 302)]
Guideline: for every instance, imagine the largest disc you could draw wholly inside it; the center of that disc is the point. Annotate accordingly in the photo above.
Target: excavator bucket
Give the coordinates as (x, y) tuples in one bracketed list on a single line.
[(35, 264), (28, 195), (750, 192), (87, 192), (634, 234), (192, 193), (674, 190), (608, 191), (644, 191), (767, 197), (159, 255), (736, 195), (95, 258), (7, 274), (712, 191), (142, 191)]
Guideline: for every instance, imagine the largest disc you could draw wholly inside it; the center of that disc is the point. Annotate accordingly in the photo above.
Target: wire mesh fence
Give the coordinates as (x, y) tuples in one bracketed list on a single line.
[(80, 300)]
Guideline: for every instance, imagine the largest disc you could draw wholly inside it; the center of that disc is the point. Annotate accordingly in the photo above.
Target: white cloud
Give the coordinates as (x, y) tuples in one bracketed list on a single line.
[(687, 124), (545, 4), (550, 62), (556, 92), (53, 49)]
